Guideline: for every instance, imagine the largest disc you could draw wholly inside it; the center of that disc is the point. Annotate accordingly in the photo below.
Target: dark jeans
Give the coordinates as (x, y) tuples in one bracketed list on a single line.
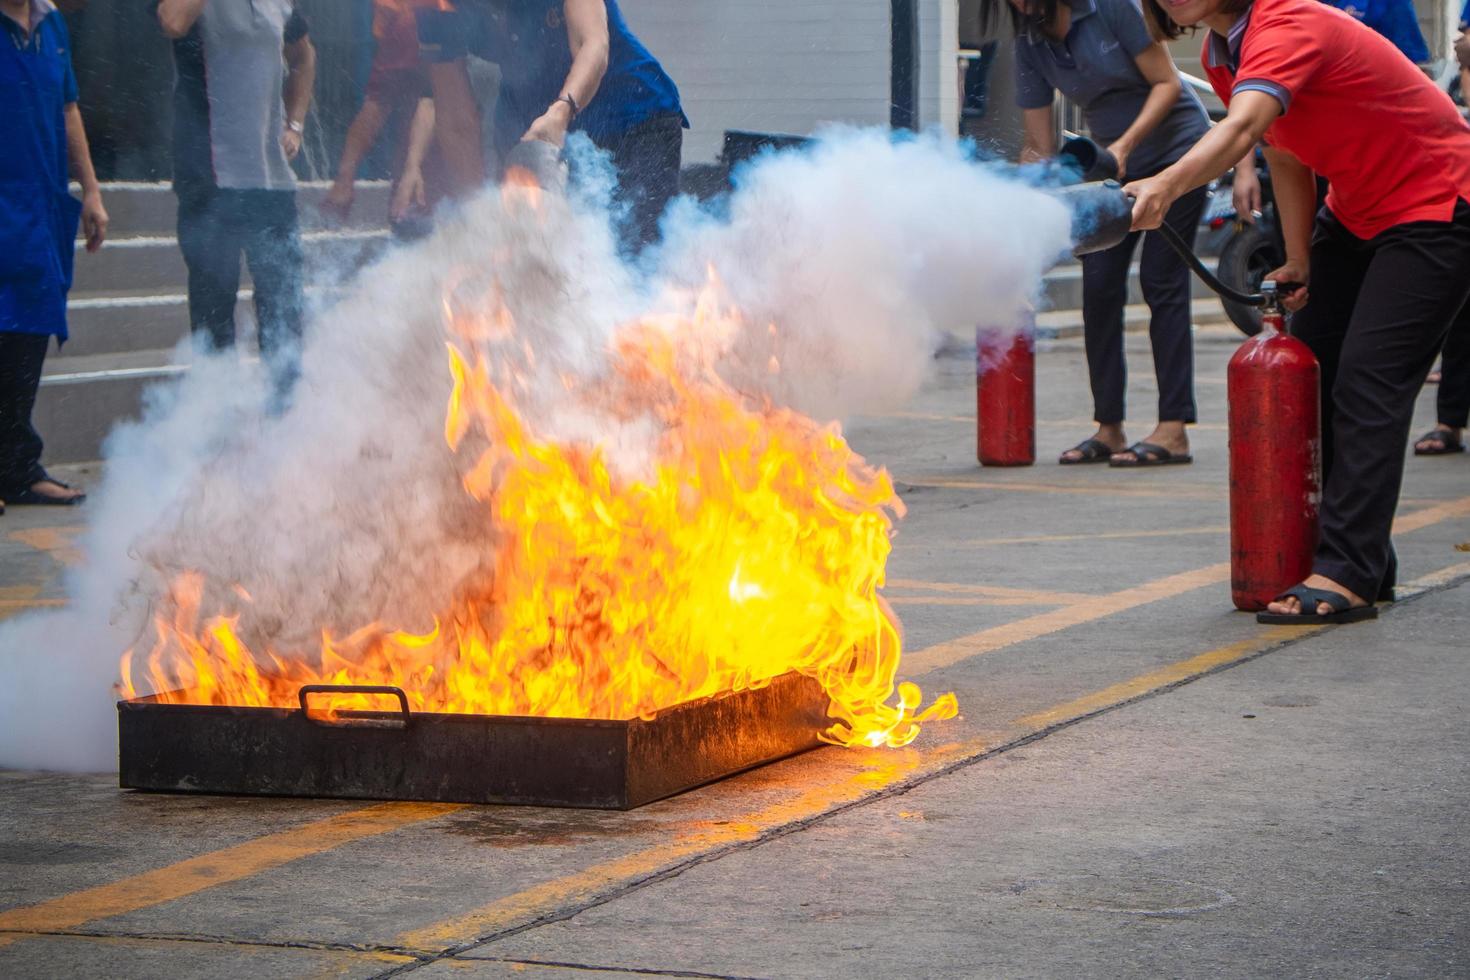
[(647, 157), (21, 357), (1166, 289), (1453, 402), (215, 227), (1378, 314)]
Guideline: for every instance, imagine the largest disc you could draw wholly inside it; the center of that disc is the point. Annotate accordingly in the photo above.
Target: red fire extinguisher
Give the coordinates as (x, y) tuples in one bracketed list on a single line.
[(1273, 384), (1005, 395)]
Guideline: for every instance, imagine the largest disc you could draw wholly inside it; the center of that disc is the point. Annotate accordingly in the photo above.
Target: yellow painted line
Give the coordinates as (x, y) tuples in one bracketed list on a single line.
[(1184, 491), (30, 603), (1097, 536), (967, 600), (1421, 519), (18, 593), (1164, 677), (216, 868), (985, 641), (587, 884), (59, 542), (1039, 596)]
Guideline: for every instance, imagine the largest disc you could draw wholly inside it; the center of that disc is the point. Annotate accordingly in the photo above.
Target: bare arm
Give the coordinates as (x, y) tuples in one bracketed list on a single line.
[(177, 17), (1251, 114), (1296, 201), (410, 192), (300, 81), (1039, 134), (361, 136), (587, 34), (1245, 190), (1163, 92), (79, 156)]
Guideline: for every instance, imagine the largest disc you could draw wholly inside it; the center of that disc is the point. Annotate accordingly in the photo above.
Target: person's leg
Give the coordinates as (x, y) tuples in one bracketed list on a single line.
[(648, 158), (21, 357), (1104, 295), (1452, 403), (1339, 261), (211, 245), (273, 249), (1414, 286), (1165, 278)]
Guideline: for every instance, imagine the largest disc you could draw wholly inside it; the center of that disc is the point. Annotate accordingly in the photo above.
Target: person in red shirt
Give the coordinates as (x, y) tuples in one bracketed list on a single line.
[(1387, 259)]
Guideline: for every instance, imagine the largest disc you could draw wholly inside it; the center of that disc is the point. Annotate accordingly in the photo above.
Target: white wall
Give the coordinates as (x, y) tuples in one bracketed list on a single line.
[(788, 65)]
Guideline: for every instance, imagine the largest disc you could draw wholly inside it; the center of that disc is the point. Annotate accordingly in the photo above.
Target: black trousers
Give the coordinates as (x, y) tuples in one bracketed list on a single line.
[(1379, 311), (1164, 277), (215, 227), (21, 357), (648, 158), (1452, 406)]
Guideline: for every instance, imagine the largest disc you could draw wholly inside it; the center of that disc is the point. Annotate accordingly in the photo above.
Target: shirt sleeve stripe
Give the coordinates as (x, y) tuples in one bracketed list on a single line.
[(1273, 89)]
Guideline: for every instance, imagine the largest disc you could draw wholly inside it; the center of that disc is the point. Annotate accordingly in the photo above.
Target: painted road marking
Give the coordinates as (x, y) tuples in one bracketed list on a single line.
[(1039, 596), (245, 860), (1184, 491), (215, 868), (563, 897), (1177, 532)]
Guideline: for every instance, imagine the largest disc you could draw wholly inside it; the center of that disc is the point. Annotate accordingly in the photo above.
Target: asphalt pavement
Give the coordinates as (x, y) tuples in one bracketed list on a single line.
[(1143, 782)]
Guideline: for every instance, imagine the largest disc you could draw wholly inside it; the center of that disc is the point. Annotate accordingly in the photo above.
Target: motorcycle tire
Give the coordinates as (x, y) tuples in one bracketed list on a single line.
[(1245, 259)]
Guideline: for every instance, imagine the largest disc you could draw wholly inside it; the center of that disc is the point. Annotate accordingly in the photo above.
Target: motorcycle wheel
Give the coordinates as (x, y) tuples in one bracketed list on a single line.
[(1244, 261)]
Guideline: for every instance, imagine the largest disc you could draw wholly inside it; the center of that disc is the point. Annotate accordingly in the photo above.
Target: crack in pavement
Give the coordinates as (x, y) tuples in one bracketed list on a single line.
[(594, 968)]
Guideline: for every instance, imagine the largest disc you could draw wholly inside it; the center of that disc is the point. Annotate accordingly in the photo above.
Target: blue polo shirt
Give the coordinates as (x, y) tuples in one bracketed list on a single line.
[(1394, 19), (1094, 67), (38, 215), (528, 40)]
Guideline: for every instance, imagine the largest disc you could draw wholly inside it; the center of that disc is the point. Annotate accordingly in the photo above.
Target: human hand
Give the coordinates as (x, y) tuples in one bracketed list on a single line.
[(1152, 198), (337, 204), (1245, 193), (94, 219), (1295, 270), (551, 125), (290, 142), (1462, 51), (1120, 152), (409, 195)]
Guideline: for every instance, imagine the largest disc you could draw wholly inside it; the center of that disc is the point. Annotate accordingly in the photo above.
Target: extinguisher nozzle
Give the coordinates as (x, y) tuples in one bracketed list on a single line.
[(1102, 215)]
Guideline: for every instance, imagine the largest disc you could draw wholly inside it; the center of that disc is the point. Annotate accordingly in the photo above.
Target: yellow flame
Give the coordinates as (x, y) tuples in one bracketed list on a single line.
[(754, 545)]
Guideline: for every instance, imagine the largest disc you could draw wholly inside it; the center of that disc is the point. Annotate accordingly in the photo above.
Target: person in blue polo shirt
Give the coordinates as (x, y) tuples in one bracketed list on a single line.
[(1394, 19), (565, 65), (1100, 54), (41, 131)]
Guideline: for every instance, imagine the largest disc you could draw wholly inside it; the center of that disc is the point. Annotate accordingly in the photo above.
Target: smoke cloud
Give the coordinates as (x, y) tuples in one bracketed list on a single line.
[(847, 263)]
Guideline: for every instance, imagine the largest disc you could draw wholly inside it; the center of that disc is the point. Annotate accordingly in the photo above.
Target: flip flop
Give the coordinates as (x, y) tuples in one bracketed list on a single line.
[(1442, 442), (1343, 610), (1150, 454), (1090, 450), (34, 499)]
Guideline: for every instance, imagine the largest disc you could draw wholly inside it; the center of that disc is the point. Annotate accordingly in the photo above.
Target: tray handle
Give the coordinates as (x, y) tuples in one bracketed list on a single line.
[(307, 690)]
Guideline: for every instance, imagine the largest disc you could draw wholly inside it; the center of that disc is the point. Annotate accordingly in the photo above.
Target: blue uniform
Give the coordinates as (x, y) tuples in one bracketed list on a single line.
[(38, 215), (1394, 19)]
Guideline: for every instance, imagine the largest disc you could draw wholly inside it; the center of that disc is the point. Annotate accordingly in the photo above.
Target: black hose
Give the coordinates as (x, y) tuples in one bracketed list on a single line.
[(1234, 295)]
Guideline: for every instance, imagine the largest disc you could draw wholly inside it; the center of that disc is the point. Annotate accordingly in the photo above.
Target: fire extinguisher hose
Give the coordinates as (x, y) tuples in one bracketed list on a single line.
[(1234, 295)]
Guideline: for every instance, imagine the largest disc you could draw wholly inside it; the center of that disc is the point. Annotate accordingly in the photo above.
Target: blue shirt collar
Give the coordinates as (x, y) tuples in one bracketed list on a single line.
[(39, 11), (1080, 9), (1225, 51)]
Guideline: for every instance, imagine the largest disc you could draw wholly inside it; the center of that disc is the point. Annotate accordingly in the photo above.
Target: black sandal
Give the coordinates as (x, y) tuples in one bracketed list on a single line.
[(1442, 442), (1089, 451), (1343, 610), (1150, 454)]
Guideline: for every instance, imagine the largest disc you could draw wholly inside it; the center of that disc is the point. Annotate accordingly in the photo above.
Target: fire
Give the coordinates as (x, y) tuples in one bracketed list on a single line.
[(752, 542)]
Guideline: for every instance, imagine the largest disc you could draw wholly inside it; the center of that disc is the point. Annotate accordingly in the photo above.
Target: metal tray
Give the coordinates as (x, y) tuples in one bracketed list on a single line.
[(456, 758)]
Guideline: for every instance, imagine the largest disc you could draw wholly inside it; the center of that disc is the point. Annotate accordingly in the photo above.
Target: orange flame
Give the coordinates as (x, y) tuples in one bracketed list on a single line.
[(753, 544)]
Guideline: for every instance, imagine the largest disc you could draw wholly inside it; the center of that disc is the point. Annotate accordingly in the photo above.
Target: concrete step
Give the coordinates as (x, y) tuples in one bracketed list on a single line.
[(82, 397), (148, 209), (153, 263)]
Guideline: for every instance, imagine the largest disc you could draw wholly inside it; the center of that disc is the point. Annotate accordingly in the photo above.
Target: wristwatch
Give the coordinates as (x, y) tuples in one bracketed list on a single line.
[(295, 127)]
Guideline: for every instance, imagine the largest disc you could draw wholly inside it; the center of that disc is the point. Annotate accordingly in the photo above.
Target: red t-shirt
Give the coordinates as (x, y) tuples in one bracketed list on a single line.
[(1393, 146)]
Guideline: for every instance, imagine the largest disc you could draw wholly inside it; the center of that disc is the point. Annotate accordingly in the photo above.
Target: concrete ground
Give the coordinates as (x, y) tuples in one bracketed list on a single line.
[(1142, 783)]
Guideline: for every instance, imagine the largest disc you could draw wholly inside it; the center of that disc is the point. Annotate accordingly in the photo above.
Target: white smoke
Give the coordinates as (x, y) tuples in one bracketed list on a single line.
[(348, 508)]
